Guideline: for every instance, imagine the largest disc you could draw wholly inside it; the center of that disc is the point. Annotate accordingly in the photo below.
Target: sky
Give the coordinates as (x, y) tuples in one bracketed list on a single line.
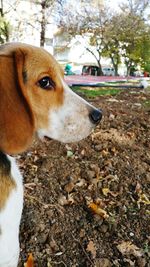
[(115, 3)]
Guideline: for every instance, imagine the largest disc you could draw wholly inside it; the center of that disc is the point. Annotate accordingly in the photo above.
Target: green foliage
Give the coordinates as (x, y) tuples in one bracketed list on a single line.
[(4, 30), (130, 32), (145, 52), (146, 66)]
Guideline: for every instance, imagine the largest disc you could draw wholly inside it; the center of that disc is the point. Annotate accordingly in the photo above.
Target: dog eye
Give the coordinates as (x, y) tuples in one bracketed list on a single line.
[(46, 83)]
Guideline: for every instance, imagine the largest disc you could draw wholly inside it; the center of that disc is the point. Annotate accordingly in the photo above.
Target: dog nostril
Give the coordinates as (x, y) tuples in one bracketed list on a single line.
[(95, 116)]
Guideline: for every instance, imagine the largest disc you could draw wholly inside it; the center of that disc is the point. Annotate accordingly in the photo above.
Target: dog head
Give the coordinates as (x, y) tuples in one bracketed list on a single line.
[(35, 99)]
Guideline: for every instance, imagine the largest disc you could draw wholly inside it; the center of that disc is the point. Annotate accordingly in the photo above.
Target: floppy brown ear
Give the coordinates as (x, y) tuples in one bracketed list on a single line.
[(16, 117)]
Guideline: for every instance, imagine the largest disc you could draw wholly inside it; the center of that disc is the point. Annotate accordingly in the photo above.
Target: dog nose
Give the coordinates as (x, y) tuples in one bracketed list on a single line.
[(95, 116)]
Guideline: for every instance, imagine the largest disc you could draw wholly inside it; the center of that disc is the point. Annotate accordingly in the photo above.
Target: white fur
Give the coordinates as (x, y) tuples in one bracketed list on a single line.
[(70, 122), (10, 217)]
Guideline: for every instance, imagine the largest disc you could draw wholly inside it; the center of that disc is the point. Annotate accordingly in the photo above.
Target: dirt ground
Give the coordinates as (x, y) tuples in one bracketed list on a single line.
[(86, 204)]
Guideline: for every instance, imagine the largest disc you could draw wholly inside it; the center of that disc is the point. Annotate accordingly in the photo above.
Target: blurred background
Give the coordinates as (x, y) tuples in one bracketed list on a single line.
[(96, 37)]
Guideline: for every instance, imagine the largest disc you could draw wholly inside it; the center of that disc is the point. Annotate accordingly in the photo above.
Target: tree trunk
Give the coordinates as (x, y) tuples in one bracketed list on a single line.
[(128, 65), (100, 72), (43, 24), (116, 69), (1, 9), (115, 65)]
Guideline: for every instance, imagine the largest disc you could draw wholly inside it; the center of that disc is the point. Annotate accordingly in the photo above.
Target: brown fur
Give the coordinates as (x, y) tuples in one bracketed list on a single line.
[(6, 181), (23, 104)]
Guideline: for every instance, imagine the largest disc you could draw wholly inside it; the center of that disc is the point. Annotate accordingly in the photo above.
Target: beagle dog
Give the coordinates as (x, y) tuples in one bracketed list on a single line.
[(34, 99)]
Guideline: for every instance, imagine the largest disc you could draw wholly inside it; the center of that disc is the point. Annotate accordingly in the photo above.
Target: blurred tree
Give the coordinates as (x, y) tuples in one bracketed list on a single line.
[(145, 52), (4, 30), (4, 26), (136, 7), (35, 16), (46, 7), (88, 21), (132, 32), (113, 35)]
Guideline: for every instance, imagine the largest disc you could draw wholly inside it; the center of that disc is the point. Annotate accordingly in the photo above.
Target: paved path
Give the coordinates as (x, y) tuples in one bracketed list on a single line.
[(77, 79)]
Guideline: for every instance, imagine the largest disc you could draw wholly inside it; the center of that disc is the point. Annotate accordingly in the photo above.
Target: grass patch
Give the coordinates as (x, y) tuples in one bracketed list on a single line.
[(146, 104), (116, 82), (94, 92)]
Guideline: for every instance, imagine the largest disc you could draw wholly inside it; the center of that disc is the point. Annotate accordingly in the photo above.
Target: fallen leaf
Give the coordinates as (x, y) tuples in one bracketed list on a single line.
[(96, 209), (69, 187), (131, 263), (104, 153), (138, 188), (49, 264), (83, 152), (91, 248), (62, 200), (127, 248), (71, 199), (81, 183), (143, 199), (105, 191), (30, 261)]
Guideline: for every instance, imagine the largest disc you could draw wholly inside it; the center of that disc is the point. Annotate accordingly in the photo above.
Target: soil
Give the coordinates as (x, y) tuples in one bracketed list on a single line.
[(86, 204)]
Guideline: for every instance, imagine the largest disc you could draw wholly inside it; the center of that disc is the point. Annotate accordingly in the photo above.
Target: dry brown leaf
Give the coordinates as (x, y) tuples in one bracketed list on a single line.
[(62, 200), (30, 261), (127, 248), (91, 248), (69, 187), (71, 199), (107, 191), (97, 210), (138, 189)]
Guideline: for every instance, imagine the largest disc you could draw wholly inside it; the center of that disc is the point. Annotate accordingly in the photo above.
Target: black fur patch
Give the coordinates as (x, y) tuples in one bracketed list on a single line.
[(5, 165)]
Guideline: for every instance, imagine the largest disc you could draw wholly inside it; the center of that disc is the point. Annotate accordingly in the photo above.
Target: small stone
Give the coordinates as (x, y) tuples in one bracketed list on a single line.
[(111, 116), (131, 234), (83, 152)]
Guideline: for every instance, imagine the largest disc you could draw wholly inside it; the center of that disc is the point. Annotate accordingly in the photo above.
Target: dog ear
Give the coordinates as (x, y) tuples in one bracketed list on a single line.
[(16, 117)]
